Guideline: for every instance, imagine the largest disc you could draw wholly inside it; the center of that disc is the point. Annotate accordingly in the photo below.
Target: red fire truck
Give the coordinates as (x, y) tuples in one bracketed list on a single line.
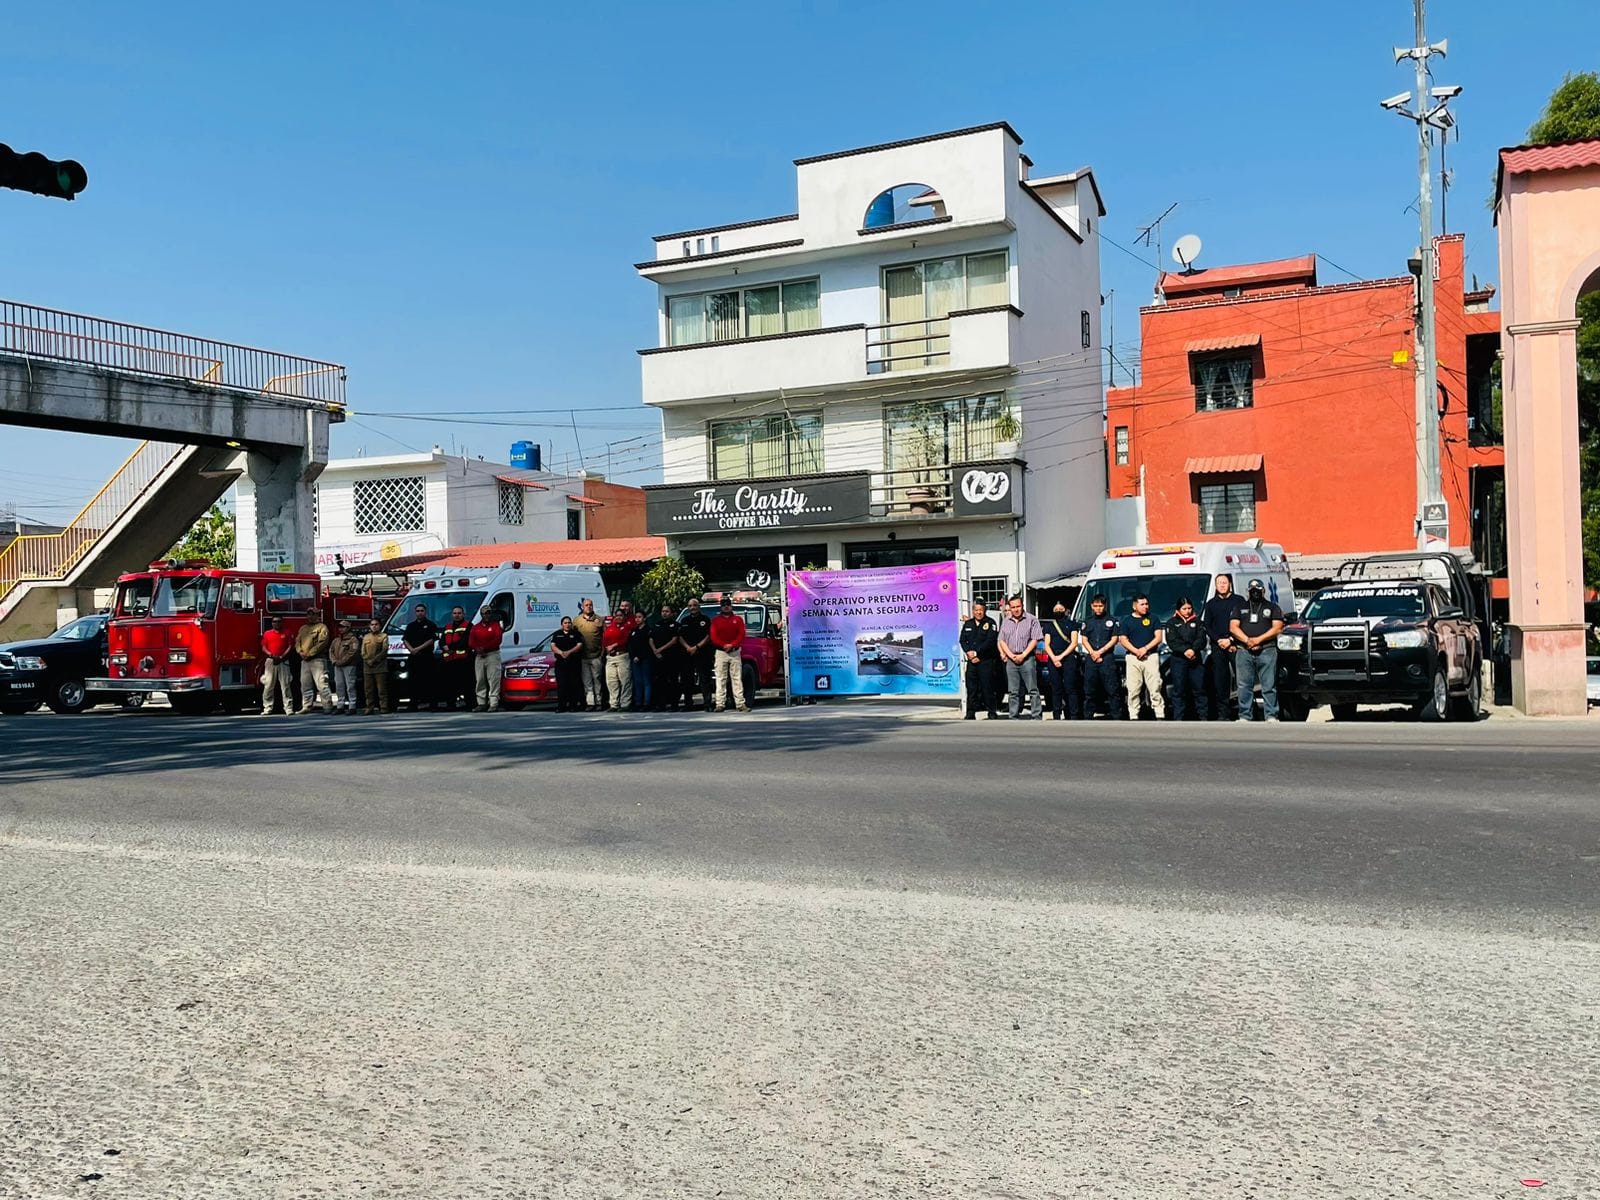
[(193, 631)]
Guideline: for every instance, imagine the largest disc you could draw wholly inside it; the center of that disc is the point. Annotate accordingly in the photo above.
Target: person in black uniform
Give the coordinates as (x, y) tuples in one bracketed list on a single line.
[(1100, 678), (980, 646), (1186, 639), (567, 645), (1061, 670), (694, 635), (1217, 616), (666, 665), (420, 637)]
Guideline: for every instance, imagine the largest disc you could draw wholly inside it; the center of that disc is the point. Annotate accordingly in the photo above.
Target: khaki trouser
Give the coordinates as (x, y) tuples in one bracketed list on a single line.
[(1144, 675), (314, 684), (619, 681), (275, 682), (729, 671), (375, 683), (594, 672), (486, 674)]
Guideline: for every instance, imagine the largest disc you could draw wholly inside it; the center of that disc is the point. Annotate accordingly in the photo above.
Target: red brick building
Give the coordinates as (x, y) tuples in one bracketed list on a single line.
[(1269, 405)]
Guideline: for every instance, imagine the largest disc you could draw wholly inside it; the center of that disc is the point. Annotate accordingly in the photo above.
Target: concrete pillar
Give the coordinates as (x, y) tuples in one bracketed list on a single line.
[(1543, 519), (285, 535)]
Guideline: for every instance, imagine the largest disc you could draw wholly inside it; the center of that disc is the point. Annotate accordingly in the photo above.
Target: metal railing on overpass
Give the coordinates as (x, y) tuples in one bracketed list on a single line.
[(51, 556), (31, 331)]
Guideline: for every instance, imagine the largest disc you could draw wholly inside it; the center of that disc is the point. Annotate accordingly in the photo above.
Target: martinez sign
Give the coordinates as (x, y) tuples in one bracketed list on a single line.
[(776, 504)]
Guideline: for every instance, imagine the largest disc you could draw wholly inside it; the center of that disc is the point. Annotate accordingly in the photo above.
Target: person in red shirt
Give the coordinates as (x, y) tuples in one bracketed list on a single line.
[(275, 648), (727, 638), (614, 649), (484, 642)]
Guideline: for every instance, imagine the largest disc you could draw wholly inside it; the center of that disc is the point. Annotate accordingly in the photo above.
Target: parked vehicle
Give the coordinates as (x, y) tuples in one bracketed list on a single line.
[(1593, 679), (529, 678), (56, 671), (763, 640), (530, 601), (1395, 628), (193, 631), (1164, 573)]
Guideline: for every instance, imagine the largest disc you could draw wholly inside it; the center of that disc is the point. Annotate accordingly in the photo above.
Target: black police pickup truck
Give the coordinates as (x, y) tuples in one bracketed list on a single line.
[(1394, 629), (52, 670)]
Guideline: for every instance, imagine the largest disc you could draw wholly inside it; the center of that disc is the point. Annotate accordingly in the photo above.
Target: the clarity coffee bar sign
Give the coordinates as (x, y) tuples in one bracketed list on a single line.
[(757, 504)]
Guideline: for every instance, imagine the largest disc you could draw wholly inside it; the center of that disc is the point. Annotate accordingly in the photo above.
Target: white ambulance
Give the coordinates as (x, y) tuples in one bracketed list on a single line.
[(1190, 569), (531, 601)]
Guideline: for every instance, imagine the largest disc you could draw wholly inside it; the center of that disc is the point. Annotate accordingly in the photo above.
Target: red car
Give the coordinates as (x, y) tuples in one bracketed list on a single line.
[(530, 678)]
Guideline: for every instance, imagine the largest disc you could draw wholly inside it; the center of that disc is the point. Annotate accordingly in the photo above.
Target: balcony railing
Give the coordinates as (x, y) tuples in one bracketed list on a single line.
[(913, 491), (903, 345)]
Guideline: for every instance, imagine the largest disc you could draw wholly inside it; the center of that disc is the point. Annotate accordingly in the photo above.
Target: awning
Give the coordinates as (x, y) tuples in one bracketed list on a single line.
[(1225, 464), (527, 483), (585, 500), (1237, 341), (1076, 579)]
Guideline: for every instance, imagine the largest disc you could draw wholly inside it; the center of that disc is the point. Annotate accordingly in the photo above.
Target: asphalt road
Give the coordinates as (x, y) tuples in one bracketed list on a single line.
[(834, 951)]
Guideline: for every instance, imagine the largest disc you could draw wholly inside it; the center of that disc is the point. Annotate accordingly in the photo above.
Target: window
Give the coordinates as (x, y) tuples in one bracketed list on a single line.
[(186, 595), (1227, 507), (510, 504), (316, 510), (936, 433), (761, 447), (1122, 445), (395, 505), (574, 525), (292, 598), (918, 299), (1223, 381), (505, 606), (904, 204), (989, 590), (791, 306), (239, 595), (1084, 328)]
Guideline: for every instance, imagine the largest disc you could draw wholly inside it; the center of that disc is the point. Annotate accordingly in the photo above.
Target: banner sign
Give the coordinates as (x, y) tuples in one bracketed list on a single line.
[(884, 631), (763, 504)]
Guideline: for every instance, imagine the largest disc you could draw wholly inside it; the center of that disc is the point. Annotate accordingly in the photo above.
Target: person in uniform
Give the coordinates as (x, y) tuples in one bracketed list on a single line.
[(488, 667), (980, 647), (592, 627), (1061, 671), (1141, 638), (1186, 642), (375, 668), (694, 634), (615, 638), (419, 638), (567, 645), (1101, 633), (311, 644), (666, 653), (455, 660), (1256, 631), (1217, 616), (641, 665)]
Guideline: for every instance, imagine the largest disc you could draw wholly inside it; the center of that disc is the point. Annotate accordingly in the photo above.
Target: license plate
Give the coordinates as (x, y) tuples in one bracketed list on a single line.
[(20, 687)]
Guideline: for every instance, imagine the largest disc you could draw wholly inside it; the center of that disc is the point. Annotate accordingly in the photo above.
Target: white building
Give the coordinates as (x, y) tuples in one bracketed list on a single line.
[(403, 504), (836, 383)]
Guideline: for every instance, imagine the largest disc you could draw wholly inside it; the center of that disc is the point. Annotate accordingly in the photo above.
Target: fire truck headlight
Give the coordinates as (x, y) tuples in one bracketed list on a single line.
[(177, 656)]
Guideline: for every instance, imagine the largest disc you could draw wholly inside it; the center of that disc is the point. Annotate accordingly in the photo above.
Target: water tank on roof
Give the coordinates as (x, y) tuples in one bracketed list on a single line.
[(525, 455)]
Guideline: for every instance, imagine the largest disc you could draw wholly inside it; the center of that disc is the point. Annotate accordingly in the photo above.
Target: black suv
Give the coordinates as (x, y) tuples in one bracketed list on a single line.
[(1381, 637), (52, 670)]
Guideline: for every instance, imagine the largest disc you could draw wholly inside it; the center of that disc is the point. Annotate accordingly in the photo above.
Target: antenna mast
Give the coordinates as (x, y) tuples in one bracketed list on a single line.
[(1152, 232)]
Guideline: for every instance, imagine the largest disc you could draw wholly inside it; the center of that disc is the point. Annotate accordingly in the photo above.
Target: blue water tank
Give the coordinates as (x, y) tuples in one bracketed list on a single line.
[(525, 455)]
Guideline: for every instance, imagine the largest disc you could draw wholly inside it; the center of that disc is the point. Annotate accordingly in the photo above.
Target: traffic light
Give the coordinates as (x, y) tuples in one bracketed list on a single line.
[(40, 175)]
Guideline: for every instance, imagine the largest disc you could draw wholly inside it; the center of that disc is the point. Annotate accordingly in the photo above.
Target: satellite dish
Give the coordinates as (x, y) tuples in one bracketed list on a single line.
[(1186, 250)]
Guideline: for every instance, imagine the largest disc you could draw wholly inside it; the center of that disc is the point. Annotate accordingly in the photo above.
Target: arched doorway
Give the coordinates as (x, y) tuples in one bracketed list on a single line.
[(1547, 208)]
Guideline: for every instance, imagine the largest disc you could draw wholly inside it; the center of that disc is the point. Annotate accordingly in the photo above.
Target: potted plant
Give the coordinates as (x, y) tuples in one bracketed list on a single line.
[(1007, 433), (925, 495)]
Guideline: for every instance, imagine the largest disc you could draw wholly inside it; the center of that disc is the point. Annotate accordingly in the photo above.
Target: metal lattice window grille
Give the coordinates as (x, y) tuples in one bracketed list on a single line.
[(510, 504), (1227, 507), (395, 505), (989, 590)]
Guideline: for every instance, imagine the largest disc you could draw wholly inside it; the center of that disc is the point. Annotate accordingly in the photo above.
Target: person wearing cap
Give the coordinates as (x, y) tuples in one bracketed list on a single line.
[(344, 652), (276, 645), (485, 640), (980, 646), (1062, 673), (727, 637), (1256, 630), (1102, 633), (1217, 616), (1186, 660), (419, 638), (1141, 638)]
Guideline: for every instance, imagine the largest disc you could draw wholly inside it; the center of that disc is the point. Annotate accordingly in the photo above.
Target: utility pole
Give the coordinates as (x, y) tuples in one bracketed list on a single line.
[(1432, 519)]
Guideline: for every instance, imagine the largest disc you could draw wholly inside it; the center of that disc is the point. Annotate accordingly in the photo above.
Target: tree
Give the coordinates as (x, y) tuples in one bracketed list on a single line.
[(212, 538), (670, 581), (1573, 112)]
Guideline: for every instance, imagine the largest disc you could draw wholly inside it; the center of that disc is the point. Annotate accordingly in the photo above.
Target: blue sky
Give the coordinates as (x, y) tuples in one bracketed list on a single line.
[(449, 198)]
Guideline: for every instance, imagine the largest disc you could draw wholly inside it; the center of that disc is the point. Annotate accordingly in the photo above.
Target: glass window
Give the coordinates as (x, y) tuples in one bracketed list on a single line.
[(989, 590), (505, 604), (511, 503), (133, 597), (574, 525), (686, 320), (802, 307), (239, 595), (762, 447), (185, 596), (987, 284), (787, 307), (1223, 381), (286, 598), (1227, 507), (918, 299), (763, 310), (84, 629), (1164, 591), (936, 433), (1404, 602), (396, 505), (1122, 445), (438, 605)]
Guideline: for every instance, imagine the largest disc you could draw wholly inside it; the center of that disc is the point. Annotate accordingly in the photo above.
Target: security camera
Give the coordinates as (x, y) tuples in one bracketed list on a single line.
[(1446, 93), (1394, 102)]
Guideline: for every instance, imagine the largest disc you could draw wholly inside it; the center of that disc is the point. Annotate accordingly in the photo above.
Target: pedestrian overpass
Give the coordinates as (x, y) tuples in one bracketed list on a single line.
[(207, 412)]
